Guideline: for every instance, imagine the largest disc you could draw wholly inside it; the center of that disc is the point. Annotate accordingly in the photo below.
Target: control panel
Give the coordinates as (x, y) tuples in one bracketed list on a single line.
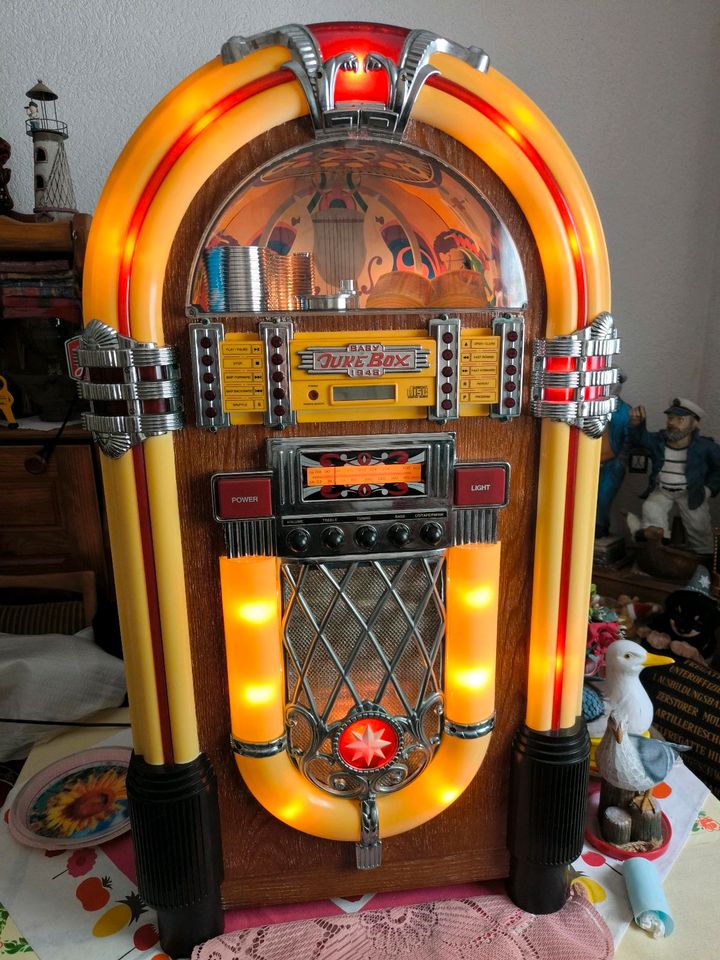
[(355, 496), (279, 377)]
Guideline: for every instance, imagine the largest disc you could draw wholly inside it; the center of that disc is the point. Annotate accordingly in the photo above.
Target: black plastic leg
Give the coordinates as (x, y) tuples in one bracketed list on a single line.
[(548, 797), (176, 836)]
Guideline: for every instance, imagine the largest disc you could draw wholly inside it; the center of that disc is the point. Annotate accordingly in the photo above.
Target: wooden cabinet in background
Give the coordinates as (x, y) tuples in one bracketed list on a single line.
[(52, 521), (51, 514)]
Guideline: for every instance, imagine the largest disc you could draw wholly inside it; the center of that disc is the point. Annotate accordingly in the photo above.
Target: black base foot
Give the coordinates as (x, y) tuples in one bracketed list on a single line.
[(548, 796), (181, 930), (176, 837)]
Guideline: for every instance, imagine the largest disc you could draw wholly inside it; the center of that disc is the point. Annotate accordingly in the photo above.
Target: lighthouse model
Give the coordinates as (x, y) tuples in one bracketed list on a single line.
[(54, 195)]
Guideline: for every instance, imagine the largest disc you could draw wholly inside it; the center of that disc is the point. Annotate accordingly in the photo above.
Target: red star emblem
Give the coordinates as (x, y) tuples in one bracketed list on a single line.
[(367, 744)]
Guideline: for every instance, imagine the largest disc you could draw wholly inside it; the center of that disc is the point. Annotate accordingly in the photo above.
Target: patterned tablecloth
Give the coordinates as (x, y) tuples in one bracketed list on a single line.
[(85, 903)]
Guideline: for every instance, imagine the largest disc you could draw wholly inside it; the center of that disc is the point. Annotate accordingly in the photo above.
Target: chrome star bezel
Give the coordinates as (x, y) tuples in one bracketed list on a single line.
[(367, 711)]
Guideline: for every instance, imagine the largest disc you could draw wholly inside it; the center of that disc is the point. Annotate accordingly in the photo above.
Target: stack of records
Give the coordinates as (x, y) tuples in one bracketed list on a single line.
[(460, 288), (246, 278), (250, 279), (301, 278), (215, 259)]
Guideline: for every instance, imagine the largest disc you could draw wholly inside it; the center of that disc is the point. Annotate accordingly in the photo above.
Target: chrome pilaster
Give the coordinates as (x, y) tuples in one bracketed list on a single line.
[(584, 347), (149, 388)]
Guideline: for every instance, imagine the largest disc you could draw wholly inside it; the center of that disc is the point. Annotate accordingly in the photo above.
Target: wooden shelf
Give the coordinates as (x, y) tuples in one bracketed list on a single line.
[(611, 581)]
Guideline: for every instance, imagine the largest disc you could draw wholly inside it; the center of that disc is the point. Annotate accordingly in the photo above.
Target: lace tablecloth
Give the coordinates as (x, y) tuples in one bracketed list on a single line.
[(487, 927)]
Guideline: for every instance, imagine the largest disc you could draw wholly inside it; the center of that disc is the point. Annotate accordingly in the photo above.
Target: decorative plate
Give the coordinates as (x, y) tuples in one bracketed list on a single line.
[(78, 801)]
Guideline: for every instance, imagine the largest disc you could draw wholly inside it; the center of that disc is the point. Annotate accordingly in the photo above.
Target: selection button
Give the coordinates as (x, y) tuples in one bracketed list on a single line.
[(239, 497), (482, 485)]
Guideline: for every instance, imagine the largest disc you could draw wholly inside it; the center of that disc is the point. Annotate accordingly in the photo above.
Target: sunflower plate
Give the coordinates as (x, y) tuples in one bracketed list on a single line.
[(78, 801)]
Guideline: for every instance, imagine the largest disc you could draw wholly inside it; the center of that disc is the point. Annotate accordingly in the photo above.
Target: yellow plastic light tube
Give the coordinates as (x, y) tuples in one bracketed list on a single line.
[(473, 583), (208, 152), (503, 155), (253, 644), (554, 441), (167, 546), (586, 486), (129, 575), (502, 94)]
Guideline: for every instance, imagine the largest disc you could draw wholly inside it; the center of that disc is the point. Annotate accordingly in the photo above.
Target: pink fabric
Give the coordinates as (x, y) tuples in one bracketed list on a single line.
[(120, 851), (242, 918), (489, 927)]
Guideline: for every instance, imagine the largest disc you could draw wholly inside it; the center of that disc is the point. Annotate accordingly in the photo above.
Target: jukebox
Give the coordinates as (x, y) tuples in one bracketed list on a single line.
[(348, 354)]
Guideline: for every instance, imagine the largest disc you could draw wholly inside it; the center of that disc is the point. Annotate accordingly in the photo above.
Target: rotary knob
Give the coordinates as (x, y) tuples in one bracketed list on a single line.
[(366, 537), (399, 534), (333, 537), (298, 540), (432, 533)]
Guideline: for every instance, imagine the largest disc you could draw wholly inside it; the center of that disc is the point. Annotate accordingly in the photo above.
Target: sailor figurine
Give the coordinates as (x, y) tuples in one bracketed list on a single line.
[(685, 473)]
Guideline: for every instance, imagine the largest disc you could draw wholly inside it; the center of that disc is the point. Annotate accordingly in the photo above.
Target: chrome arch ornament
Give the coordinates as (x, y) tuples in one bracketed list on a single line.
[(320, 758), (591, 350), (318, 77), (324, 760), (143, 401)]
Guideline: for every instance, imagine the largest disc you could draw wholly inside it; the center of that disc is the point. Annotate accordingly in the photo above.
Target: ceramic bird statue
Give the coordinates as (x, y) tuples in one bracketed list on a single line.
[(631, 762), (622, 690)]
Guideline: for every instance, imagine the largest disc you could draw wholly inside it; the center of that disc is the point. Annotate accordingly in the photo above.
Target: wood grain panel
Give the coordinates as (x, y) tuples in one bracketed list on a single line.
[(266, 861), (51, 521)]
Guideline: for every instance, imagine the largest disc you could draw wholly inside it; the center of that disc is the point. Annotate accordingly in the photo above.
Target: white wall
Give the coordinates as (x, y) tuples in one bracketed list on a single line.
[(633, 86)]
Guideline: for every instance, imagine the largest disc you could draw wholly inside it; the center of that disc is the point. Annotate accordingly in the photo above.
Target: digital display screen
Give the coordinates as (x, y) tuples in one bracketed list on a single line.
[(377, 473), (376, 392), (369, 474)]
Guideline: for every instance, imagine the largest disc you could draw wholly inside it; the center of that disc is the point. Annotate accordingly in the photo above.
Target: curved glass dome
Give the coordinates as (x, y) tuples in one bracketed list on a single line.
[(357, 224)]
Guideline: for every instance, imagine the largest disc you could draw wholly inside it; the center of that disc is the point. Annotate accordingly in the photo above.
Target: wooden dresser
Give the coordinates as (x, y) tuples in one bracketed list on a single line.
[(51, 509)]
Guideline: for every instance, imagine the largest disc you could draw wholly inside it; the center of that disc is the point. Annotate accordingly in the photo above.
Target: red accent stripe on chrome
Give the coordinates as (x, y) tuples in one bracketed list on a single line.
[(153, 606), (504, 124)]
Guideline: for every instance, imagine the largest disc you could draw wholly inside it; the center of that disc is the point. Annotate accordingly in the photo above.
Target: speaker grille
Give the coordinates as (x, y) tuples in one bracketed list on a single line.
[(360, 631)]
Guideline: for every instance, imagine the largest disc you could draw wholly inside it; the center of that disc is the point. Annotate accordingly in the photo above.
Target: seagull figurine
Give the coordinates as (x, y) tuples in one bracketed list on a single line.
[(622, 690), (631, 762)]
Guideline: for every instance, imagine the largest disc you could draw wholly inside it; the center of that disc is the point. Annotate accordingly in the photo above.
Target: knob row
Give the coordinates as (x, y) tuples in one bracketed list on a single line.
[(366, 537)]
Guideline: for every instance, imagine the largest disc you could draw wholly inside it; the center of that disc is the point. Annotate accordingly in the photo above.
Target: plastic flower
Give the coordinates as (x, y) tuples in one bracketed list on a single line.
[(85, 803), (599, 637)]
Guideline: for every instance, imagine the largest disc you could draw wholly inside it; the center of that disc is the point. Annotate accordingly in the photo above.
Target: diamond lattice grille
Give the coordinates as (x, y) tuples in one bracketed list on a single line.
[(363, 630)]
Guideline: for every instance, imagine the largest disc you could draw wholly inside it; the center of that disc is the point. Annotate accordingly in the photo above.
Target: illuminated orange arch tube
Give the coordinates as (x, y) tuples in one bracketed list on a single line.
[(188, 136), (251, 609)]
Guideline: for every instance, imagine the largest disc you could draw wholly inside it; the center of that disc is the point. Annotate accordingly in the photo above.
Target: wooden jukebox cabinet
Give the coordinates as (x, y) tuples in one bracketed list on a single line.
[(349, 357)]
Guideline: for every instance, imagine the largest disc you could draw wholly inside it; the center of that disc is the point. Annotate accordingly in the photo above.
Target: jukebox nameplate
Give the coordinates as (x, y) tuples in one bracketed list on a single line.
[(280, 376)]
